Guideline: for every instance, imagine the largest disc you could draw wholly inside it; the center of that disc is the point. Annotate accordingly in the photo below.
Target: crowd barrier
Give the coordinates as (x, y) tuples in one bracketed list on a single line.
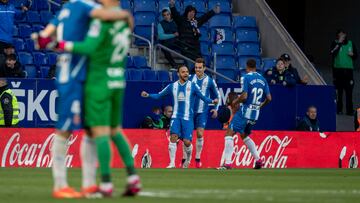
[(21, 147), (38, 98)]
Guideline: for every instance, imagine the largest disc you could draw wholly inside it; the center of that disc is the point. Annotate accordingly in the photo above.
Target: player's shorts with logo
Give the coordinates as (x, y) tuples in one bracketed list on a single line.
[(182, 128), (200, 120), (241, 124)]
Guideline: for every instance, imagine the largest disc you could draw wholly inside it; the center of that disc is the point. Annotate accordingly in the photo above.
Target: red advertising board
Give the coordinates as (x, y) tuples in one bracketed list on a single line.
[(20, 147)]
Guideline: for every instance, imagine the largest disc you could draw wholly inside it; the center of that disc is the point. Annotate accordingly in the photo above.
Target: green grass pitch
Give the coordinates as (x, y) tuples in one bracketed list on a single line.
[(26, 185)]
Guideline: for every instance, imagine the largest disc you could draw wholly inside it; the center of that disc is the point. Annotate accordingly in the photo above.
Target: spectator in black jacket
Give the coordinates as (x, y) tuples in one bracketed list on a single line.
[(279, 75), (310, 121), (188, 27), (293, 70), (12, 68)]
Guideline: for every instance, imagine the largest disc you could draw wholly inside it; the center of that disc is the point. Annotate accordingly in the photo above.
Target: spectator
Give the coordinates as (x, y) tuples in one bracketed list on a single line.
[(167, 34), (9, 108), (310, 121), (166, 117), (357, 120), (293, 70), (12, 68), (343, 55), (188, 27), (154, 120), (279, 74), (7, 17), (7, 50)]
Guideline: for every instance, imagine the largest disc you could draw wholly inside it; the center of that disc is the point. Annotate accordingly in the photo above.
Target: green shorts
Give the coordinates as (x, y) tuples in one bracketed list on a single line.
[(103, 107)]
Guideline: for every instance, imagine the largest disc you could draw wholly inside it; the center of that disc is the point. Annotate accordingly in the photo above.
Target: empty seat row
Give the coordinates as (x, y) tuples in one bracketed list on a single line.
[(148, 75)]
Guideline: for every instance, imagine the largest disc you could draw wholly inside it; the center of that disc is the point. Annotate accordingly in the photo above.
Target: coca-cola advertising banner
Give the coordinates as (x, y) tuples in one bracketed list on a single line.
[(21, 147)]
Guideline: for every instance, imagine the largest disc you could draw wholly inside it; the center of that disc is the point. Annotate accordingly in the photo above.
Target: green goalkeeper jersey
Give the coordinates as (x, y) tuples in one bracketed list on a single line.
[(106, 45)]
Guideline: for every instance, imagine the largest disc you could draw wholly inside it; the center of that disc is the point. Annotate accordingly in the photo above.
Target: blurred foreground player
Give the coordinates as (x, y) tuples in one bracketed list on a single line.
[(72, 24), (255, 95), (107, 44)]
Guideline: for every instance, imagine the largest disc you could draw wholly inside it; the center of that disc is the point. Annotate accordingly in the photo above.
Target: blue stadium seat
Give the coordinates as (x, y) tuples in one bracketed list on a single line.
[(19, 44), (41, 5), (229, 37), (165, 4), (230, 73), (33, 17), (129, 62), (140, 62), (143, 31), (247, 22), (225, 5), (224, 48), (163, 75), (220, 21), (135, 74), (144, 18), (204, 34), (19, 3), (15, 31), (145, 5), (252, 49), (44, 71), (204, 48), (126, 4), (25, 58), (149, 75), (24, 30), (52, 58), (45, 17), (37, 27), (200, 5), (268, 63), (31, 71), (40, 59), (174, 76), (243, 59), (226, 62), (29, 44), (143, 21), (246, 36)]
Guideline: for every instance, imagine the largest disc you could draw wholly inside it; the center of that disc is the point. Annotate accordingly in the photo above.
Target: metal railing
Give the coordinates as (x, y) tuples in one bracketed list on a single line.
[(160, 46), (150, 46)]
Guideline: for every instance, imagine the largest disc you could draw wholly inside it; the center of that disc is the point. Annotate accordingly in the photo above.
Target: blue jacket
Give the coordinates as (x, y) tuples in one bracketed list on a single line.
[(7, 17)]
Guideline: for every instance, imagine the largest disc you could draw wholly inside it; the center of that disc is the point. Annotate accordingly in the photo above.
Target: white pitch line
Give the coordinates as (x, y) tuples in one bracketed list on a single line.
[(236, 194)]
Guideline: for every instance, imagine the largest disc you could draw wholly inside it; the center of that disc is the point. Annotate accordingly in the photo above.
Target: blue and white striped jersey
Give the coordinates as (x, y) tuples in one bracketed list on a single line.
[(257, 89), (183, 96), (72, 24), (208, 88)]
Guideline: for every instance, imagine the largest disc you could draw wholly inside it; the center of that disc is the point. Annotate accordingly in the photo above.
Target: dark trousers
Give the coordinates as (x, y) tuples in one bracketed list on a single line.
[(344, 82), (171, 44)]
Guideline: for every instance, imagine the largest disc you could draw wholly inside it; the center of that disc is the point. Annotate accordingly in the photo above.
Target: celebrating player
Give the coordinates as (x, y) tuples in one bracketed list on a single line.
[(183, 93), (255, 95), (207, 87)]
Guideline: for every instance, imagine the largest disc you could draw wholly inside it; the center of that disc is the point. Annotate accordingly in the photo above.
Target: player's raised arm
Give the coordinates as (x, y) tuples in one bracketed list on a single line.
[(163, 93)]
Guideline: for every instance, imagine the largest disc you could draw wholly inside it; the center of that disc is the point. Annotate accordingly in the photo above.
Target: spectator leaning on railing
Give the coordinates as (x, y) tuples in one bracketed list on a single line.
[(280, 75), (12, 68)]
